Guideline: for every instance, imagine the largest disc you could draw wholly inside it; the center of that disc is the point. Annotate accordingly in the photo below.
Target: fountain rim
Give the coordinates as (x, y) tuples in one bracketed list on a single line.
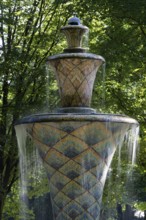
[(71, 26), (61, 117), (76, 55)]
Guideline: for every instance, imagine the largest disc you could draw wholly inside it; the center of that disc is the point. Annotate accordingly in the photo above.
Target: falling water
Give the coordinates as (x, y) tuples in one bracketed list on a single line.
[(118, 176), (103, 84), (31, 173), (48, 87), (132, 142), (86, 41), (21, 139)]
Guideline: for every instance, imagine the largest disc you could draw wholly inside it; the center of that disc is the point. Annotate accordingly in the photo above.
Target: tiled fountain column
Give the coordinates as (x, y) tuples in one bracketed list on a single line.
[(76, 155)]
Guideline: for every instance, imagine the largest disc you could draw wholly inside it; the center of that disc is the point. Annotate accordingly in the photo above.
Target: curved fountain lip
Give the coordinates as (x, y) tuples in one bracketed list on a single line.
[(79, 26), (52, 117), (76, 55)]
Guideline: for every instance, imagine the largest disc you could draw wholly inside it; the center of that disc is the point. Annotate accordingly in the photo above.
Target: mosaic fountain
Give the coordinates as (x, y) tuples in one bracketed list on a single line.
[(75, 143)]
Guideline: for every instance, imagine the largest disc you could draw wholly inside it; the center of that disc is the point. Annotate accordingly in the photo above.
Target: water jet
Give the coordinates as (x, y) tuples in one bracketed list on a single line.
[(76, 144)]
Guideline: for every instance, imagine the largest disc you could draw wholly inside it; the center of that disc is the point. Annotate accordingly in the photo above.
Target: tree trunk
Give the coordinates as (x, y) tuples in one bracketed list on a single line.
[(2, 200), (119, 212), (129, 213)]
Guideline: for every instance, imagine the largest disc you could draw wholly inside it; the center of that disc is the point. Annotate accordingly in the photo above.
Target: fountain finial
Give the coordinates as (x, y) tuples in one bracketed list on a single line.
[(74, 20), (74, 32)]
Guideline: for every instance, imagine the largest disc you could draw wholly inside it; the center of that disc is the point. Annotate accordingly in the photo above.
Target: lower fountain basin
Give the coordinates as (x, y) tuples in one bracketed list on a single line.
[(77, 150)]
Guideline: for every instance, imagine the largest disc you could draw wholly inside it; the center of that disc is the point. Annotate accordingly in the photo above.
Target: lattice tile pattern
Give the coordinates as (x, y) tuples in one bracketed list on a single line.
[(75, 78), (76, 160)]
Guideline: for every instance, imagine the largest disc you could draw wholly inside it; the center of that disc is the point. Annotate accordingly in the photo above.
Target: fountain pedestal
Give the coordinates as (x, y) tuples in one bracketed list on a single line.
[(76, 144)]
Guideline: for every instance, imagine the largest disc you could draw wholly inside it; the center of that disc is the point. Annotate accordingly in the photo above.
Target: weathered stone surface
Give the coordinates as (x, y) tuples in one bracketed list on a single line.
[(75, 77)]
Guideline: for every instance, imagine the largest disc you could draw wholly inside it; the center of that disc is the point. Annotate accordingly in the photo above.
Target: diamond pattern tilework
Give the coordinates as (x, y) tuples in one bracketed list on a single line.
[(67, 127), (46, 134), (71, 168), (76, 163), (62, 78), (98, 171), (63, 216), (61, 200), (57, 211), (71, 146), (94, 210), (87, 180), (50, 169), (82, 200), (85, 216), (43, 149), (96, 191), (59, 180), (93, 133), (73, 190), (75, 77), (73, 209), (105, 148), (55, 159), (88, 159), (53, 190)]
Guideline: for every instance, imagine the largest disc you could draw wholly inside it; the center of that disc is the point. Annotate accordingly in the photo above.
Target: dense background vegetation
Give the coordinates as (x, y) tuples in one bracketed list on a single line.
[(29, 33)]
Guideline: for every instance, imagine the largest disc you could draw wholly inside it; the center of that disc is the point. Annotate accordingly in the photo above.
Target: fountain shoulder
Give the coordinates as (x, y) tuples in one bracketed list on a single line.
[(92, 117), (76, 55)]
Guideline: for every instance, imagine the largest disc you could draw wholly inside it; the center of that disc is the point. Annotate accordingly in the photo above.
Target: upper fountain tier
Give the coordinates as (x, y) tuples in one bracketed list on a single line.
[(75, 69), (74, 32)]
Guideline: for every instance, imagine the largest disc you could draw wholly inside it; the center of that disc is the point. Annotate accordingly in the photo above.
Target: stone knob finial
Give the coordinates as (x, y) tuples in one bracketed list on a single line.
[(74, 21)]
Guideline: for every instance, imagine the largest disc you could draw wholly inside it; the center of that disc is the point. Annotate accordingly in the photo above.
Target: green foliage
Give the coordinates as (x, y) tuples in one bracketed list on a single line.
[(140, 206)]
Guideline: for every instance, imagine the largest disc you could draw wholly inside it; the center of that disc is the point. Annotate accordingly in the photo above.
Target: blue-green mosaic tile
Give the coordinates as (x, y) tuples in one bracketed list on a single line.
[(70, 166), (63, 216), (59, 180), (94, 210), (71, 146), (88, 159), (96, 191), (87, 180), (85, 216), (50, 170), (46, 134), (73, 190), (61, 200), (55, 159), (86, 200), (73, 209)]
